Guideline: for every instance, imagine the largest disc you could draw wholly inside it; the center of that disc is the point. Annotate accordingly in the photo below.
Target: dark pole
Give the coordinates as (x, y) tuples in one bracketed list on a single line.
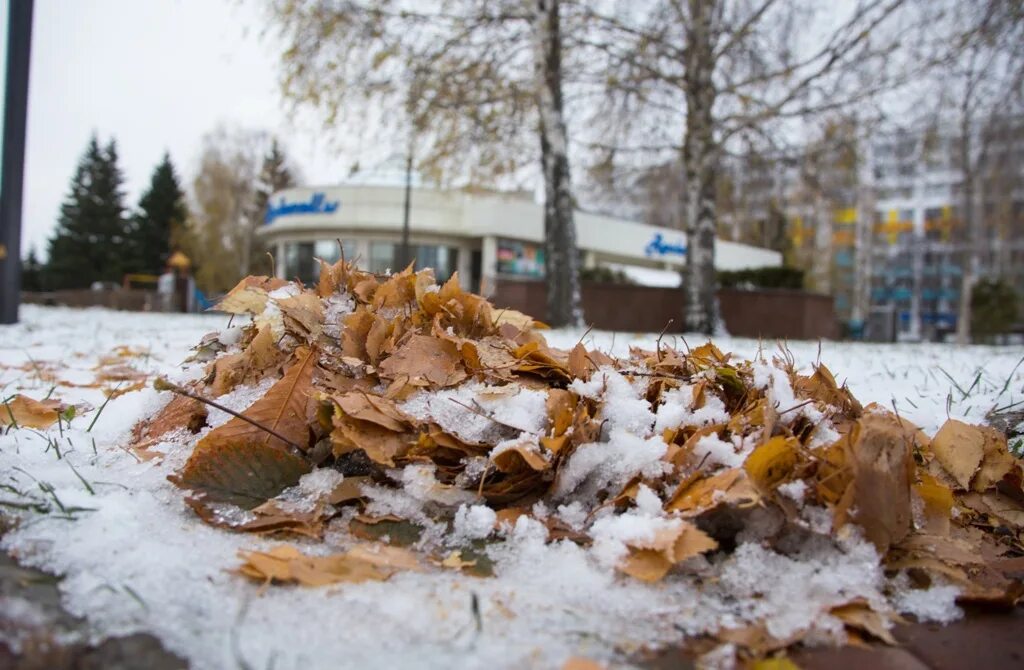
[(19, 49), (404, 260)]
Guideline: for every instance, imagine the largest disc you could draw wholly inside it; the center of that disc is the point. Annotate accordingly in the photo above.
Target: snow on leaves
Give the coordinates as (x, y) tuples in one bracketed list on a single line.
[(426, 427)]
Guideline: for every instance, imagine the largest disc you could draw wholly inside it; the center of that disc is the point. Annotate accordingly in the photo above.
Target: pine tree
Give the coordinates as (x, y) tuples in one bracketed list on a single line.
[(31, 272), (161, 211), (89, 244), (275, 175)]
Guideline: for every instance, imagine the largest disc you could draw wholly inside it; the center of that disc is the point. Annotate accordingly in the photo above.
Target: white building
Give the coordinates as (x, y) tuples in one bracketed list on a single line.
[(485, 236), (920, 243)]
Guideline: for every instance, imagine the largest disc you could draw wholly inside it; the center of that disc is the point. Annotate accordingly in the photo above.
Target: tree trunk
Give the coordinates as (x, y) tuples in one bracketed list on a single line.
[(972, 263), (561, 260), (698, 163)]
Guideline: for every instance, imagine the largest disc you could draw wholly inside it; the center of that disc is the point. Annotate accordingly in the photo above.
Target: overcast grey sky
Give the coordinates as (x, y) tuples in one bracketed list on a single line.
[(156, 75)]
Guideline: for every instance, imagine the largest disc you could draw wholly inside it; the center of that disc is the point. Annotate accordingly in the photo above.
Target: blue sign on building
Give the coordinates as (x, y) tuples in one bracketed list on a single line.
[(659, 247), (317, 204)]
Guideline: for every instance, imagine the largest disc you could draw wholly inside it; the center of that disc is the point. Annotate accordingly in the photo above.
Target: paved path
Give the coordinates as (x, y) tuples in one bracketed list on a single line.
[(985, 639)]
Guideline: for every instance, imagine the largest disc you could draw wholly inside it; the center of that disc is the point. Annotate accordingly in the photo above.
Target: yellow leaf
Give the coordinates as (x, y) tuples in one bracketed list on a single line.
[(938, 503), (777, 663), (772, 461), (25, 412)]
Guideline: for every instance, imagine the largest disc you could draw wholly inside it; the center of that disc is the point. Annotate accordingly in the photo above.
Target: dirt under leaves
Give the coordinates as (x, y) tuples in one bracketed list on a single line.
[(343, 361)]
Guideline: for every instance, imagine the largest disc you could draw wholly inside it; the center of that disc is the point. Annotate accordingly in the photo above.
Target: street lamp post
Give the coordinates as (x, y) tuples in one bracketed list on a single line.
[(404, 253), (19, 48)]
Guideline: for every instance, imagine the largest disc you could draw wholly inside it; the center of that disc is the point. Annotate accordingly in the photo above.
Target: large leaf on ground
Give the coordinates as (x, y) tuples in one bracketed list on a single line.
[(243, 463), (243, 472), (879, 449), (29, 413), (284, 409), (249, 296)]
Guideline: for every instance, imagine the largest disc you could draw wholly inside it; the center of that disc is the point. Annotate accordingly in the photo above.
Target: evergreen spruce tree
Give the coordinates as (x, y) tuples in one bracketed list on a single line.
[(275, 174), (89, 244), (161, 212), (31, 272)]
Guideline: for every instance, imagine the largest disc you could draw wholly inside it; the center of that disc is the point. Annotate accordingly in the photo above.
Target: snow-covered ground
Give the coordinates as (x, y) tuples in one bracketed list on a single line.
[(137, 559)]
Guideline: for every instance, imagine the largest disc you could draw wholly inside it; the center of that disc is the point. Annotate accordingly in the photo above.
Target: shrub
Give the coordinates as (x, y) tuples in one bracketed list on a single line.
[(762, 278), (993, 308)]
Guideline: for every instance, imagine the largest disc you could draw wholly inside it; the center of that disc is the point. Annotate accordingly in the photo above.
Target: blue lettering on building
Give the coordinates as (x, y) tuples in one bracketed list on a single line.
[(659, 247), (317, 204)]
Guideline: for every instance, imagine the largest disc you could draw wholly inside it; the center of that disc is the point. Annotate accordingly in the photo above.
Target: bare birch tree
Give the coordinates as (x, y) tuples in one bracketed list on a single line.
[(983, 81), (227, 203), (476, 83), (714, 72)]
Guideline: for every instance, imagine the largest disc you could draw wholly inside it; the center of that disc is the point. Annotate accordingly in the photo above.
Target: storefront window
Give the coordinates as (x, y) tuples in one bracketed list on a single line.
[(520, 258)]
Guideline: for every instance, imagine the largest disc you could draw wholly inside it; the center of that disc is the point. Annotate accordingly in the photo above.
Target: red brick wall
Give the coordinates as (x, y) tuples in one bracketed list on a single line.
[(769, 313)]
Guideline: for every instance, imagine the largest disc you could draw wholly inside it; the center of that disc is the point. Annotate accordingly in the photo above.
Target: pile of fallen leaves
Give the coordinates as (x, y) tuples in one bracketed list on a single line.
[(341, 365)]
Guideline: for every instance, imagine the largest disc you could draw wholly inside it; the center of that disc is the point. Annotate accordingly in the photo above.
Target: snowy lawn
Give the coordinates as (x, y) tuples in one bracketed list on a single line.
[(136, 558)]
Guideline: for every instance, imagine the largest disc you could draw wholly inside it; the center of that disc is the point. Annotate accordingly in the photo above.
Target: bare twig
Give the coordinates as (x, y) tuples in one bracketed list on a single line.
[(162, 384)]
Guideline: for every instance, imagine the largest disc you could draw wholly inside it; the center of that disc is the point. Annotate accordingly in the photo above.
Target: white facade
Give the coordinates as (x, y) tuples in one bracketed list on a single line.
[(484, 236)]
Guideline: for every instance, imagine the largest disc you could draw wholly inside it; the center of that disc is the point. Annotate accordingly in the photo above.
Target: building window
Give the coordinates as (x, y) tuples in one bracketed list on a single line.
[(330, 251), (443, 260), (299, 263), (300, 258), (520, 258), (382, 257)]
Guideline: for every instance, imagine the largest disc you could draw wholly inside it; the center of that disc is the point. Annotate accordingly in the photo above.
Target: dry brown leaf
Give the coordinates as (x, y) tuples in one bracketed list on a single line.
[(651, 559), (380, 444), (515, 457), (822, 386), (362, 563), (425, 361), (729, 487), (180, 413), (356, 330), (303, 315), (249, 296), (25, 412), (286, 408), (878, 498), (960, 449), (242, 471), (997, 461), (859, 616), (579, 364), (373, 408), (453, 561)]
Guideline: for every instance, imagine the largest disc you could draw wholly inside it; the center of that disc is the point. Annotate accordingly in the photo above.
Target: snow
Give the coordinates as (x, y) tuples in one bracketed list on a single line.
[(474, 522), (936, 603), (137, 559), (677, 410), (649, 276), (718, 451), (477, 413)]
